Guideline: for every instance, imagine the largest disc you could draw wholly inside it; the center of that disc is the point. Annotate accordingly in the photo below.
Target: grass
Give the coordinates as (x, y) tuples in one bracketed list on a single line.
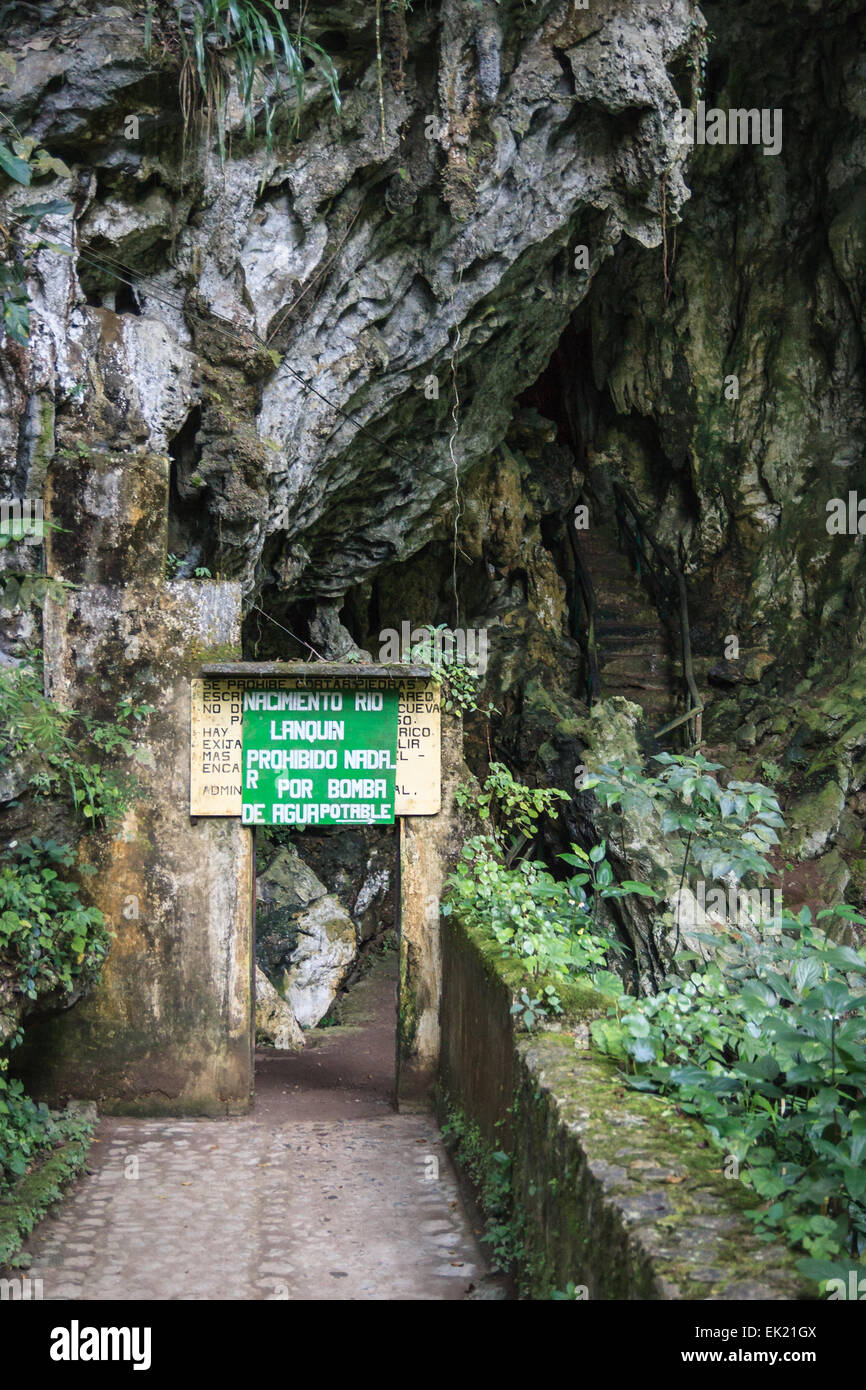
[(249, 39)]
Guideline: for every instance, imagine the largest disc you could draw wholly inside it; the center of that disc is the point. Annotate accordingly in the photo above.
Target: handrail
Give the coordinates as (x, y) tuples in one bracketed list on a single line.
[(669, 592), (590, 603)]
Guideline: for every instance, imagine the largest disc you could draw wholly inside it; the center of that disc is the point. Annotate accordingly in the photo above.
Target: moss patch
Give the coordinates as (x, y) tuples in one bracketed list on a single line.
[(36, 1193)]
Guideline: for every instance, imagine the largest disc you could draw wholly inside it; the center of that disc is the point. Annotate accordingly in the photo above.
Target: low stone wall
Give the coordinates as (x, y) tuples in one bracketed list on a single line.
[(611, 1189)]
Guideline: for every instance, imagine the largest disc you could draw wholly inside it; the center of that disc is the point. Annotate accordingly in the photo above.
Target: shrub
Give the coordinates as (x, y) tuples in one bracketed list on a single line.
[(22, 158), (765, 1041), (508, 805), (50, 941), (61, 746), (48, 938), (28, 1131), (543, 923)]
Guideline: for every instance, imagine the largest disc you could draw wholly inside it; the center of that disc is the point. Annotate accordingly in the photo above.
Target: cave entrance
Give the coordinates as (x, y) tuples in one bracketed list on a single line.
[(327, 941), (277, 744)]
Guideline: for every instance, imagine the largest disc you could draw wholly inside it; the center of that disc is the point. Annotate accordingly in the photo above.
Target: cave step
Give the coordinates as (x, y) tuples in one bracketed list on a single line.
[(625, 642), (627, 662), (637, 631), (614, 618), (625, 666), (635, 660)]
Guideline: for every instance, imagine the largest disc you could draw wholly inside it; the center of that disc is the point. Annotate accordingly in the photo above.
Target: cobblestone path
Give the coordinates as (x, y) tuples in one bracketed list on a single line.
[(322, 1193)]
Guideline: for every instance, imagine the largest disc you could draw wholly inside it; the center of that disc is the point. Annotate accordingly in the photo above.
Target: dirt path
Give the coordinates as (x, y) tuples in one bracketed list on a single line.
[(323, 1193)]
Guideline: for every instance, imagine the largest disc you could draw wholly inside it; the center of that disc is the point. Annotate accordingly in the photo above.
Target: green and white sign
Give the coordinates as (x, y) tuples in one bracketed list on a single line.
[(319, 757)]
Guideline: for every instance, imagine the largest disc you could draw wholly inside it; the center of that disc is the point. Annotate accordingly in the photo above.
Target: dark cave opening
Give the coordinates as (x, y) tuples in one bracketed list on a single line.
[(187, 512)]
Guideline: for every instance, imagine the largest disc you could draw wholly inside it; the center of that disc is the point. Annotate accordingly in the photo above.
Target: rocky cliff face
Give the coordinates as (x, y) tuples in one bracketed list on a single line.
[(384, 369), (728, 385), (429, 236)]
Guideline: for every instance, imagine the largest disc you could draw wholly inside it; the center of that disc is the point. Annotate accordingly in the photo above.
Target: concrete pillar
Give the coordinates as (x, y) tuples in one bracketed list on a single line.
[(429, 846), (169, 1029)]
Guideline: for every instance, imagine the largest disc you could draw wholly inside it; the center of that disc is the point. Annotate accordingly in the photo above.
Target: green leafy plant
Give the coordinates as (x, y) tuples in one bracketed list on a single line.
[(458, 679), (571, 1293), (28, 1131), (50, 943), (595, 870), (21, 159), (544, 923), (19, 590), (36, 527), (766, 1044), (509, 805), (48, 938), (772, 771), (489, 1170), (247, 39), (528, 1010), (728, 830), (60, 748)]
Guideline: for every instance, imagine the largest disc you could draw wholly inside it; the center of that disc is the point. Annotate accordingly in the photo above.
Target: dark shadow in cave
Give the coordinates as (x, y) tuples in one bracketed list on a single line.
[(187, 512)]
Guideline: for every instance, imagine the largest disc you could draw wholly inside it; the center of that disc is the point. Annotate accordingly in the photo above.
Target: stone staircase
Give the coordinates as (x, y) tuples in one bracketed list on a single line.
[(634, 647)]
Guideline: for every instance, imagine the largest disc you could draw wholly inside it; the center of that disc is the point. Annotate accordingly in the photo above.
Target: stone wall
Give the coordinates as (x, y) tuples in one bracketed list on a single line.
[(611, 1189)]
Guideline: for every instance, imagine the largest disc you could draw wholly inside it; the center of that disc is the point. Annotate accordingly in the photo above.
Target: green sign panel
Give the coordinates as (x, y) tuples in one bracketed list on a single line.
[(319, 757)]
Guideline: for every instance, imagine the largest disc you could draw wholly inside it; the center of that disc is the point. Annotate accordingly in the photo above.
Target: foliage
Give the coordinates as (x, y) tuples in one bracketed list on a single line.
[(489, 1170), (48, 938), (58, 745), (27, 1132), (510, 806), (551, 926), (458, 679), (174, 564), (596, 870), (250, 38), (529, 1010), (729, 829), (543, 923), (19, 590), (765, 1041), (22, 158)]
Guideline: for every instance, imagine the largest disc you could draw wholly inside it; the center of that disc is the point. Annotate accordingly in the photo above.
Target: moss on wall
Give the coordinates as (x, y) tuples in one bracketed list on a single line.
[(609, 1189)]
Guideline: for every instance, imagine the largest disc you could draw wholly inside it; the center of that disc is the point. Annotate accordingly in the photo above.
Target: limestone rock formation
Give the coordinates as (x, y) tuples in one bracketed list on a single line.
[(276, 1025), (321, 960), (361, 254), (306, 940), (302, 323)]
